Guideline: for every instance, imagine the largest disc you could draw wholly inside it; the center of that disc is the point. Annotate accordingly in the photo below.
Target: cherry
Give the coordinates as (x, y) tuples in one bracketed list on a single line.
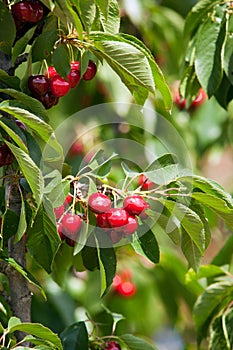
[(201, 97), (134, 204), (74, 77), (131, 225), (99, 203), (117, 280), (38, 84), (71, 224), (51, 72), (112, 345), (117, 217), (145, 183), (76, 148), (126, 288), (59, 211), (6, 156), (68, 200), (75, 65), (91, 71), (102, 220), (181, 103), (59, 86), (20, 124), (30, 12), (49, 100)]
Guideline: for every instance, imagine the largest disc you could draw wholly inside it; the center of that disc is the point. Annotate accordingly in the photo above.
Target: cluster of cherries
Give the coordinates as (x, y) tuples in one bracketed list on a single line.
[(117, 222), (123, 284), (182, 103), (49, 87)]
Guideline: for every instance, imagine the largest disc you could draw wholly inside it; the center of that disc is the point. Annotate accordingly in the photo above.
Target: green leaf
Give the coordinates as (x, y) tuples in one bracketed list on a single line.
[(44, 233), (228, 327), (190, 250), (74, 16), (43, 45), (90, 258), (163, 161), (22, 226), (224, 256), (39, 331), (30, 171), (26, 274), (61, 266), (7, 29), (61, 60), (197, 14), (32, 104), (21, 44), (215, 297), (13, 321), (75, 337), (125, 59), (10, 224), (134, 343), (208, 61), (15, 137), (44, 131), (107, 261), (228, 51), (111, 22), (87, 13), (217, 337), (103, 6), (12, 82), (148, 243)]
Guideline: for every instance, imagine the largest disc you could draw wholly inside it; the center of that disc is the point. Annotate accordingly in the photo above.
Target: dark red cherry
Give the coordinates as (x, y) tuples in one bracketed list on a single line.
[(134, 204), (30, 12), (59, 86), (38, 84), (91, 71), (99, 203), (112, 345), (6, 156), (117, 217), (49, 100), (74, 77), (102, 220)]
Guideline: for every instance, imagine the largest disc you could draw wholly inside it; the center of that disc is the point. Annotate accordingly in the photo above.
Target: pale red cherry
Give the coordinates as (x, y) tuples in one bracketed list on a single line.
[(134, 204), (59, 86), (99, 203)]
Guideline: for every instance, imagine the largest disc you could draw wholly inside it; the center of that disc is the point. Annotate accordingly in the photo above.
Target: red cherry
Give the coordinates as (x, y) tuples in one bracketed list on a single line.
[(30, 12), (145, 183), (117, 217), (71, 224), (91, 71), (102, 220), (112, 345), (99, 203), (38, 84), (75, 65), (201, 97), (74, 77), (134, 204), (49, 100), (59, 230), (181, 103), (131, 225), (68, 200), (20, 124), (59, 86), (117, 280), (126, 288), (6, 156), (51, 72), (59, 211), (76, 148)]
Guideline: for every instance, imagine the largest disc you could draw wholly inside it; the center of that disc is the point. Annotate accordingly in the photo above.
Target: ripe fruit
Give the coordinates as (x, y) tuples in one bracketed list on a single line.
[(30, 12), (76, 149), (59, 211), (59, 230), (71, 224), (38, 84), (117, 217), (134, 204), (59, 86), (181, 103), (68, 200), (126, 288), (201, 97), (51, 72), (75, 65), (91, 71), (102, 220), (131, 225), (49, 100), (74, 77), (6, 156), (112, 345), (99, 203), (145, 183)]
